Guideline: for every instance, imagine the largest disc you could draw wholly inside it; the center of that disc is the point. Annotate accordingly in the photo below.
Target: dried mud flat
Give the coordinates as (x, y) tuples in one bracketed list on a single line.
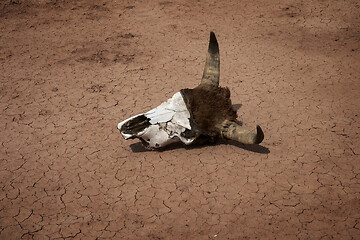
[(71, 70)]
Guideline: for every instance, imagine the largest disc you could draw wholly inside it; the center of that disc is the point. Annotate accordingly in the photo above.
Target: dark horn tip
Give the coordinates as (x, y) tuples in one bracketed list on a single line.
[(213, 44), (259, 135)]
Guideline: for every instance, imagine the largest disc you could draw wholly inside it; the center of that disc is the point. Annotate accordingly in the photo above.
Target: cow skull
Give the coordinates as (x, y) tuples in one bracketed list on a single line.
[(204, 112)]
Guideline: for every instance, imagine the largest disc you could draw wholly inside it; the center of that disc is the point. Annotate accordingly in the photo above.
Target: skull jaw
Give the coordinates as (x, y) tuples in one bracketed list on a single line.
[(168, 123)]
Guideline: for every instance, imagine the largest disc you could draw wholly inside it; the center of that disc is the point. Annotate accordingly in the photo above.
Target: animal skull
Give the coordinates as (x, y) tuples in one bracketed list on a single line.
[(204, 112)]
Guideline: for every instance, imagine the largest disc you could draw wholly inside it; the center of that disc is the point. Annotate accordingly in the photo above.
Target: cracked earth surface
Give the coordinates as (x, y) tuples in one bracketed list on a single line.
[(71, 70)]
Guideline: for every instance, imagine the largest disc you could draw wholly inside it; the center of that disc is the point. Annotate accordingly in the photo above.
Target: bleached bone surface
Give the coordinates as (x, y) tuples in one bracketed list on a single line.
[(167, 123)]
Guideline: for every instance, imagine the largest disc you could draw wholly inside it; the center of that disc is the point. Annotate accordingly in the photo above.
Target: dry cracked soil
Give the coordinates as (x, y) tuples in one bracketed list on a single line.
[(71, 70)]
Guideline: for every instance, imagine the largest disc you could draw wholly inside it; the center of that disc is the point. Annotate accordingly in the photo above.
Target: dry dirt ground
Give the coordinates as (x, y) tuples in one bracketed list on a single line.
[(71, 70)]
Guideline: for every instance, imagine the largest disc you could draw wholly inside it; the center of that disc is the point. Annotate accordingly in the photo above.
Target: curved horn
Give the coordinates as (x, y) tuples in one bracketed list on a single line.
[(232, 130), (211, 73)]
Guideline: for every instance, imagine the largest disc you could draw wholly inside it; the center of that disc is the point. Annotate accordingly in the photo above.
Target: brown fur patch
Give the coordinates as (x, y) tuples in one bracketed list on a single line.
[(209, 106)]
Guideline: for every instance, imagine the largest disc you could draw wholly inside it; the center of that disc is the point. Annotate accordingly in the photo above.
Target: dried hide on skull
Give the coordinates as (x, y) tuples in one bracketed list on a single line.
[(191, 115)]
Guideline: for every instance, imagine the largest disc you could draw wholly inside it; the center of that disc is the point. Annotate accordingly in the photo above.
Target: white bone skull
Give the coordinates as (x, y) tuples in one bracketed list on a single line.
[(204, 112)]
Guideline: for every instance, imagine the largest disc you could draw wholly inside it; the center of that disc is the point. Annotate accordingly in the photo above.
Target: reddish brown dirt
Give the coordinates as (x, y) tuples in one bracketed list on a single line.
[(71, 70)]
